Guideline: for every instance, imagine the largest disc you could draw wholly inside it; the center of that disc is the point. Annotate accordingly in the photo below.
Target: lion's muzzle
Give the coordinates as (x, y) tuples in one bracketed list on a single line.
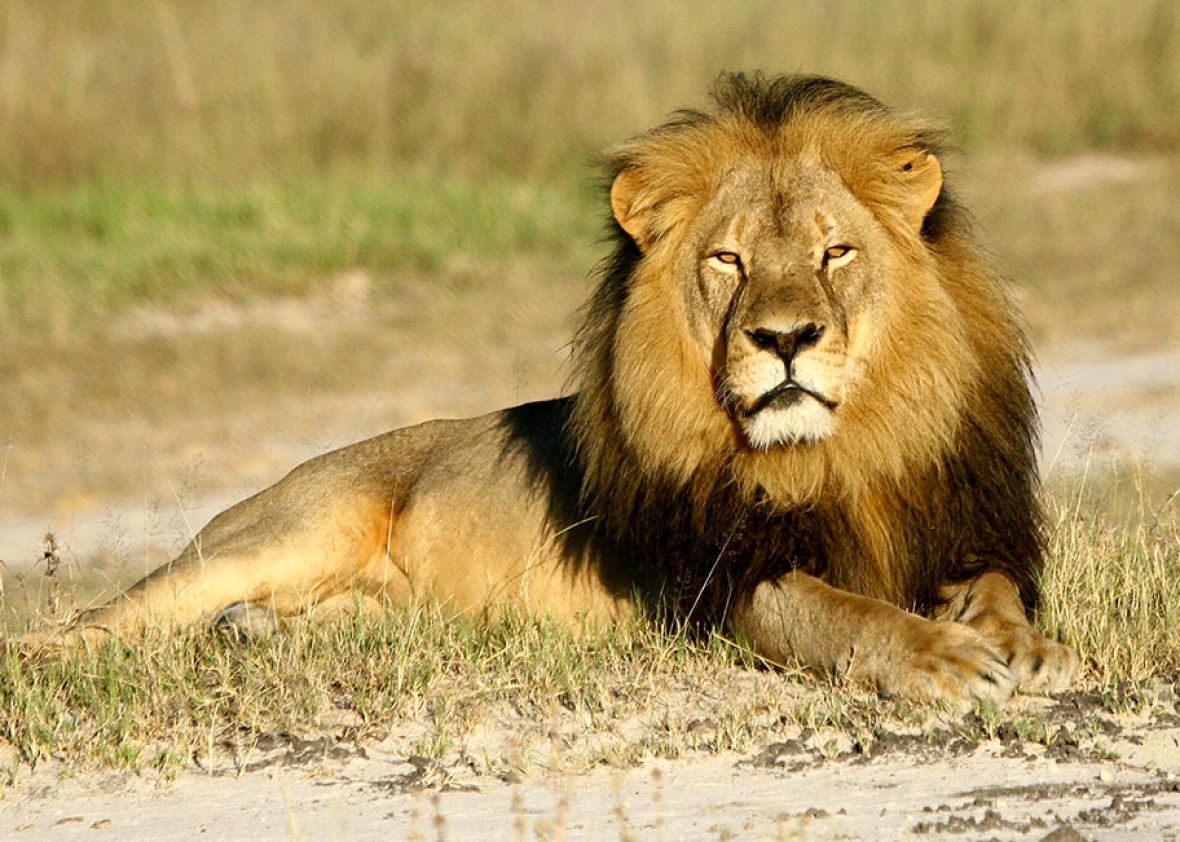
[(777, 381), (786, 345)]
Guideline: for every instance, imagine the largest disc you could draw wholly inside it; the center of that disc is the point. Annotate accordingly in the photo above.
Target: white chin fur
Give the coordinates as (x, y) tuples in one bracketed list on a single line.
[(804, 423)]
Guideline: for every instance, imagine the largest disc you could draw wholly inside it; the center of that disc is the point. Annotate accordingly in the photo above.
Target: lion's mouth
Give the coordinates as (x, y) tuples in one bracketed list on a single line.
[(785, 395)]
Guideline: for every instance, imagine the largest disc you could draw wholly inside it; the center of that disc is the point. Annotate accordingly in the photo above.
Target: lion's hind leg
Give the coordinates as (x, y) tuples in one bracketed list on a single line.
[(991, 605), (260, 559), (183, 592)]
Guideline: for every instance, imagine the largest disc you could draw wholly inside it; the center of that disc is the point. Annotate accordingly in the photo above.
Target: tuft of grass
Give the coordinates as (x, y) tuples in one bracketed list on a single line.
[(1113, 588)]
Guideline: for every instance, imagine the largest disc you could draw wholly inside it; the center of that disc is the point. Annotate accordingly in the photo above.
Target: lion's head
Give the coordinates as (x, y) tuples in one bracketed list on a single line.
[(796, 316)]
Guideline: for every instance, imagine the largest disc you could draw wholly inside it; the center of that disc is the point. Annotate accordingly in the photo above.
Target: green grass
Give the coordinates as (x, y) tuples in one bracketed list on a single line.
[(76, 255)]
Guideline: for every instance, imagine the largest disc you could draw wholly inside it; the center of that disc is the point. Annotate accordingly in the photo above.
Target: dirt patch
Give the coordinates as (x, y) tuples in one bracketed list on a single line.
[(1101, 408), (903, 785)]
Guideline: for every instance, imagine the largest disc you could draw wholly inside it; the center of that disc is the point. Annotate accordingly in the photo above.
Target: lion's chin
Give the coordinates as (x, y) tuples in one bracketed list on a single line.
[(804, 421)]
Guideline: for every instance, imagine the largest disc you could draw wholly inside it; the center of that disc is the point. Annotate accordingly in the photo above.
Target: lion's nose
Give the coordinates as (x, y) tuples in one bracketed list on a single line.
[(786, 343)]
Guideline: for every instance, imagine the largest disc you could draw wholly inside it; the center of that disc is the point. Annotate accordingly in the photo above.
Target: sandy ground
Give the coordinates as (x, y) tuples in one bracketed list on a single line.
[(1101, 408), (1127, 788)]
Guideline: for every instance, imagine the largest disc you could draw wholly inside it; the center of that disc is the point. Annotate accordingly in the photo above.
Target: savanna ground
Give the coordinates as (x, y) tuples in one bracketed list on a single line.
[(235, 236)]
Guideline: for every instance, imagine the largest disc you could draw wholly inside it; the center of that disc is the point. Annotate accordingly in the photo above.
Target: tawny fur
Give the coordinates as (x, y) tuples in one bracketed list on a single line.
[(802, 413)]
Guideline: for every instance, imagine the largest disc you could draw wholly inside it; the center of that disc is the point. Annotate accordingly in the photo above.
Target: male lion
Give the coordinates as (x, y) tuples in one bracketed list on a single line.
[(802, 415)]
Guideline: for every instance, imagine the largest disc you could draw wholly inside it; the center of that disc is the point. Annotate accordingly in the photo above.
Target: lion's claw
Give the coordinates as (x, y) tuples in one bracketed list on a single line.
[(944, 662), (1041, 665)]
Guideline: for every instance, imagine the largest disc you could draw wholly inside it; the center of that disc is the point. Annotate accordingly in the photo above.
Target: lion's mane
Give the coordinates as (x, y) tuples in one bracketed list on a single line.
[(931, 475)]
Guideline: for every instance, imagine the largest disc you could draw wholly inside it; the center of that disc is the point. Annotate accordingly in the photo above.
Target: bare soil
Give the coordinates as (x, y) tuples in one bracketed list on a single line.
[(1117, 781)]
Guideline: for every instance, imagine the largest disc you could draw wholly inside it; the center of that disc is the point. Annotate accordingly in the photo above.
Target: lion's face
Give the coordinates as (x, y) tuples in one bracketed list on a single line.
[(782, 306), (787, 283)]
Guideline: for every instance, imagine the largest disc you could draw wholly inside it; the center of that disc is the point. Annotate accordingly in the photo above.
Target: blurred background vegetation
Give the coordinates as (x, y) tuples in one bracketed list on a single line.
[(156, 150), (185, 93), (359, 214)]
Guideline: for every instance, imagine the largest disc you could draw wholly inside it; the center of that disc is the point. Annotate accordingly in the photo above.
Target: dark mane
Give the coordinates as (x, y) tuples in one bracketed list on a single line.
[(770, 102)]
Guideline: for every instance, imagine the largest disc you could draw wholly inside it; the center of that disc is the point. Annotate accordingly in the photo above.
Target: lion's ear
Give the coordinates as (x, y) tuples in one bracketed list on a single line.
[(629, 212), (922, 175)]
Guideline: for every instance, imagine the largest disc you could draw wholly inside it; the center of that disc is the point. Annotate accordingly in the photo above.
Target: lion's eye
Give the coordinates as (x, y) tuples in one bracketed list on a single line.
[(726, 261), (837, 256)]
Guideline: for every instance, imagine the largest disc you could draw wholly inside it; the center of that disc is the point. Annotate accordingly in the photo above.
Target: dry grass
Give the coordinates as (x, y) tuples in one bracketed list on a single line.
[(521, 696), (1114, 587), (439, 684), (182, 92)]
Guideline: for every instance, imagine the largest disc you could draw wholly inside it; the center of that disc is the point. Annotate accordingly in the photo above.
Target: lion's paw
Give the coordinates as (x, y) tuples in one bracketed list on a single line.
[(942, 662), (245, 621), (1041, 665)]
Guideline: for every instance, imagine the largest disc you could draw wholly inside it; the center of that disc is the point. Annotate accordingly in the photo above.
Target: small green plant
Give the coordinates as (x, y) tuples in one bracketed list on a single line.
[(1032, 729)]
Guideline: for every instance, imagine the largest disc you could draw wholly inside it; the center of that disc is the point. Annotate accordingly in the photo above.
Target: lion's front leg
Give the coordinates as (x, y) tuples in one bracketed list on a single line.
[(871, 641), (991, 605)]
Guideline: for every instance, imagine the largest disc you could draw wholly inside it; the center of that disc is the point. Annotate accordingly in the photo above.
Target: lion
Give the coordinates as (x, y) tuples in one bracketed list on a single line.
[(802, 416)]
